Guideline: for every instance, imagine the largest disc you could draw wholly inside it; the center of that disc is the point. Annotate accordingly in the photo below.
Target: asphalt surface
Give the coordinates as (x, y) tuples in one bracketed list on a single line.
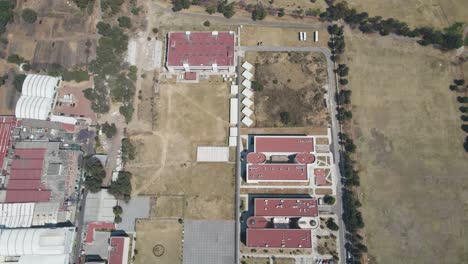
[(335, 128)]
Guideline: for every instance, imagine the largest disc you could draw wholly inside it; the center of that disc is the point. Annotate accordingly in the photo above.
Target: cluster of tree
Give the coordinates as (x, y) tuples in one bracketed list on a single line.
[(332, 225), (113, 5), (347, 142), (328, 199), (448, 38), (94, 174), (29, 15), (352, 219), (222, 7), (77, 75), (122, 187), (343, 97), (6, 14), (336, 42), (83, 3), (106, 67), (128, 150), (259, 12), (110, 130), (343, 114), (118, 211), (20, 61), (178, 5), (458, 85)]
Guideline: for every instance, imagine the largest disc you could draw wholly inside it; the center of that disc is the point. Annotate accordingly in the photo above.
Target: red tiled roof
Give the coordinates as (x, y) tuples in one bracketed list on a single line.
[(27, 164), (26, 196), (200, 49), (25, 185), (288, 144), (305, 158), (7, 124), (255, 158), (277, 172), (25, 174), (117, 251), (96, 225), (190, 76), (286, 207), (30, 153), (320, 177), (279, 238)]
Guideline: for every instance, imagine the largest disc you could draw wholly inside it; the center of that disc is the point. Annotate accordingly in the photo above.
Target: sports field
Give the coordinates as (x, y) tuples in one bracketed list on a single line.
[(187, 116), (407, 129)]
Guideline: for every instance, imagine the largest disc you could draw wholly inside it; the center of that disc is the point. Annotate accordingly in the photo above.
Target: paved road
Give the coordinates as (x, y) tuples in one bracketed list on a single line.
[(335, 126), (241, 21)]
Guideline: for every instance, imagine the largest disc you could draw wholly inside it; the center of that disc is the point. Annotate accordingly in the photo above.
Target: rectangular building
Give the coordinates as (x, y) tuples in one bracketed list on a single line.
[(279, 238), (286, 207), (203, 51), (118, 252), (7, 124), (284, 144), (271, 172)]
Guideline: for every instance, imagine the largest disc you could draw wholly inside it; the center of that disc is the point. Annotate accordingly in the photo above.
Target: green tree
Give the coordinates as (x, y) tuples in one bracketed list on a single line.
[(117, 219), (128, 150), (257, 86), (328, 199), (104, 29), (125, 22), (259, 12), (6, 14), (206, 23), (281, 12), (127, 111), (16, 59), (332, 225), (285, 118), (94, 174), (211, 9), (459, 81), (83, 3), (29, 15), (122, 187), (110, 130), (18, 82), (117, 210), (342, 70), (178, 5)]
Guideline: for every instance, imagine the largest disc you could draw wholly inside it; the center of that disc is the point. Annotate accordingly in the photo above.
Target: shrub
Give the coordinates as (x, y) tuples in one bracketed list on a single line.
[(206, 23), (328, 199), (285, 117), (26, 67), (118, 219), (332, 225), (211, 9), (16, 59), (281, 12), (259, 13), (29, 15), (257, 86), (125, 22), (459, 81)]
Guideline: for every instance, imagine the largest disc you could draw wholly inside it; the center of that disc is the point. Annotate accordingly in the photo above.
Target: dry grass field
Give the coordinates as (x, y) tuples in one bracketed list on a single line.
[(167, 233), (407, 128), (416, 12), (270, 36), (255, 261), (169, 206), (188, 115), (293, 83), (284, 261)]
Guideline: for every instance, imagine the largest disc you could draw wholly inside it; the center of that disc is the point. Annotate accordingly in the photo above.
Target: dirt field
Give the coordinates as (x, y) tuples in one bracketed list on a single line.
[(407, 129), (188, 115), (255, 261), (293, 83), (416, 12), (284, 261), (281, 37), (167, 233), (169, 206)]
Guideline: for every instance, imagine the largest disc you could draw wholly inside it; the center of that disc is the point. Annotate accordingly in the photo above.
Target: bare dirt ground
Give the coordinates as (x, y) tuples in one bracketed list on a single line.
[(284, 261), (270, 36), (169, 206), (416, 12), (407, 129), (189, 115), (255, 261), (293, 83), (167, 233)]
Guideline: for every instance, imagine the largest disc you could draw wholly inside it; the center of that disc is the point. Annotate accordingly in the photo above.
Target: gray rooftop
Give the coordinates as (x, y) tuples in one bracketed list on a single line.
[(100, 245), (137, 207), (209, 242), (99, 207)]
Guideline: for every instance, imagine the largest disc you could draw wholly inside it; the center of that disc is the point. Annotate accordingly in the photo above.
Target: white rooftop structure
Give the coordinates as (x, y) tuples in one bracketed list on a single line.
[(232, 141), (247, 102), (247, 92), (247, 111), (213, 154), (234, 89), (37, 96), (99, 207), (248, 75), (247, 121), (234, 111), (51, 244), (247, 84), (246, 65), (14, 215), (63, 119), (233, 131)]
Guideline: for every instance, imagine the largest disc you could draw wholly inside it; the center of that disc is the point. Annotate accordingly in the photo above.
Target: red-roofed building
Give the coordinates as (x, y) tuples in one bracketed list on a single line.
[(279, 238), (27, 196), (284, 144), (118, 252), (276, 172), (286, 207), (209, 51), (7, 124), (97, 225)]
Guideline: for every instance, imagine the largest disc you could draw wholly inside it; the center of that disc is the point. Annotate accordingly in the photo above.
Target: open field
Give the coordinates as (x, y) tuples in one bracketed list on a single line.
[(167, 233), (407, 129), (284, 261), (169, 206), (270, 36), (292, 83), (255, 261), (416, 12), (188, 115)]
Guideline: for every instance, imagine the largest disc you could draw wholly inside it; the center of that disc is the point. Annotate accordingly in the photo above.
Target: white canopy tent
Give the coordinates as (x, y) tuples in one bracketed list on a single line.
[(246, 65)]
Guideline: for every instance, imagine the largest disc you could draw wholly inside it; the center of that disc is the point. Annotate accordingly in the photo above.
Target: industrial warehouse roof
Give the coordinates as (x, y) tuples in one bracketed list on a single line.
[(7, 124), (284, 144), (286, 207), (14, 215), (36, 241), (279, 238), (37, 97), (277, 172), (200, 48)]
